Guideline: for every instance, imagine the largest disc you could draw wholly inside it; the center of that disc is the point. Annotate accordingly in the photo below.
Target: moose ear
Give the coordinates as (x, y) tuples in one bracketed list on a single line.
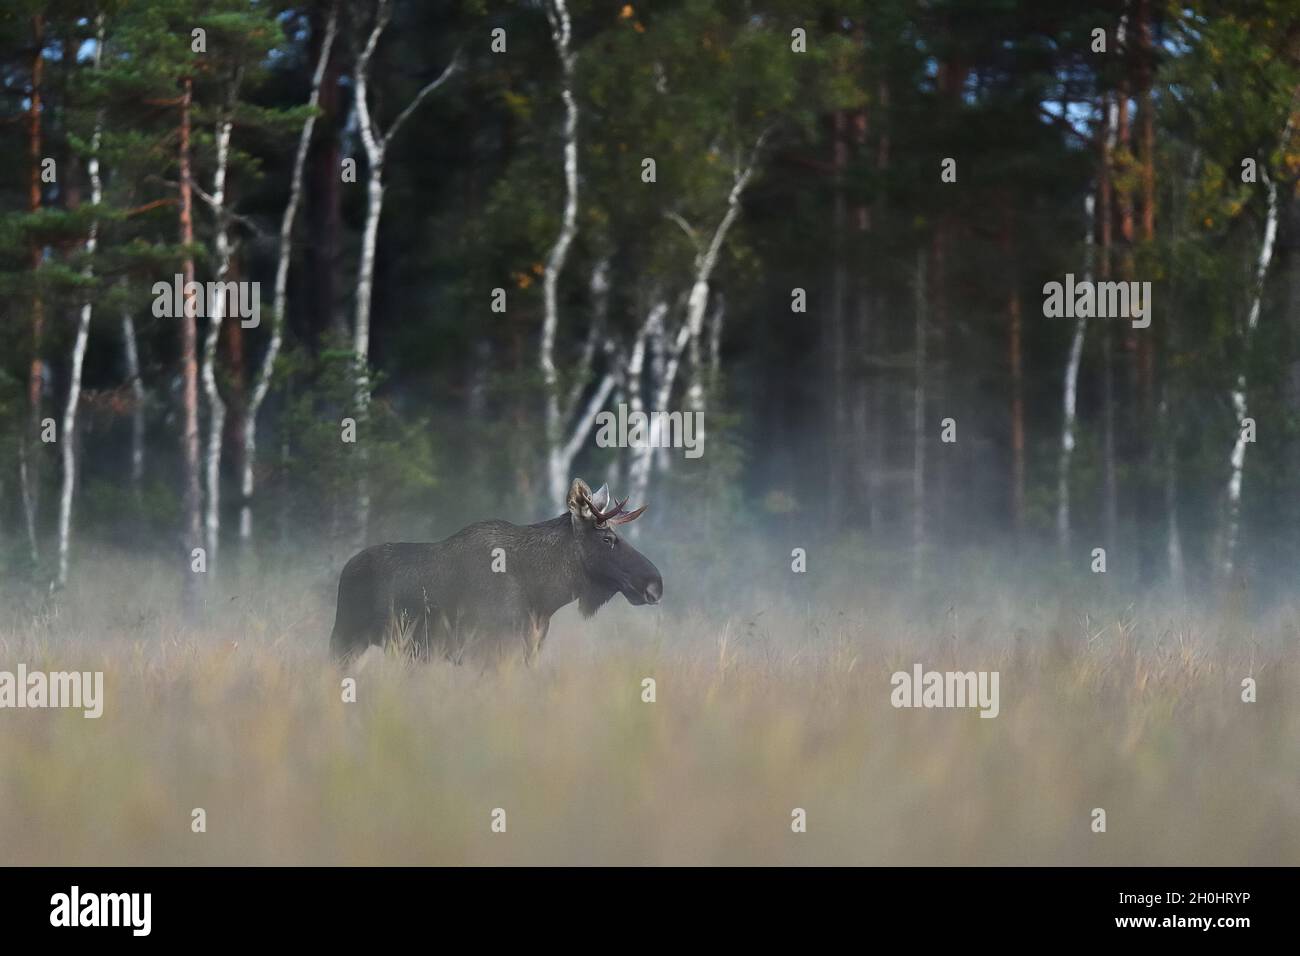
[(579, 493), (600, 500)]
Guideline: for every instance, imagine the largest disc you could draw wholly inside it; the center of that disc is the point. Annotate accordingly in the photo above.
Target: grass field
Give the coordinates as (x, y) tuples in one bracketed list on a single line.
[(758, 711)]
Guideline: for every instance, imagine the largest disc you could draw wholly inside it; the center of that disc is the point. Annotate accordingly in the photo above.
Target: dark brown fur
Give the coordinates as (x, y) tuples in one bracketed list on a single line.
[(445, 597)]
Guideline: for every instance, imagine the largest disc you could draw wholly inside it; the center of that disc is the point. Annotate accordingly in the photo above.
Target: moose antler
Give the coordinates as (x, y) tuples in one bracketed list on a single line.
[(616, 515), (627, 516)]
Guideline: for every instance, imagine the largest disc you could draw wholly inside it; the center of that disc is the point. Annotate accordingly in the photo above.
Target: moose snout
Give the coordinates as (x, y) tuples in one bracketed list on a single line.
[(654, 591)]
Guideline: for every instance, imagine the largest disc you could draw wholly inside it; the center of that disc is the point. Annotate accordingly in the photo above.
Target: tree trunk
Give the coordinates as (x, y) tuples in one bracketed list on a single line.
[(658, 369), (361, 345), (557, 13), (216, 316), (262, 380), (321, 171), (641, 458), (68, 431), (692, 327), (1237, 460), (376, 145), (28, 452), (192, 531), (236, 391), (1110, 487), (132, 356), (1130, 447), (1071, 394)]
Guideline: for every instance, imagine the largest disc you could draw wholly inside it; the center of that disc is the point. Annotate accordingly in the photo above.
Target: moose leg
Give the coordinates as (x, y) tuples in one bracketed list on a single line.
[(356, 627), (350, 637), (360, 618)]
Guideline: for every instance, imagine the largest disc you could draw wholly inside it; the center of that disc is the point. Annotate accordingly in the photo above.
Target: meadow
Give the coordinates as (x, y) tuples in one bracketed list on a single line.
[(761, 707)]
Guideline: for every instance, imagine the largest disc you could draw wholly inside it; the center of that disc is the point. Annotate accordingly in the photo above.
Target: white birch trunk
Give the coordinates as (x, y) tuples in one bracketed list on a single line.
[(639, 469), (688, 334), (207, 370), (557, 13), (376, 146), (1237, 460), (1071, 394), (561, 449), (361, 344), (68, 430), (657, 369), (262, 383)]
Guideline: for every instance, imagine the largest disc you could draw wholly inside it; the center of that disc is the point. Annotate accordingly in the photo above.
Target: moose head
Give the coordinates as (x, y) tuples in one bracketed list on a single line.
[(609, 563)]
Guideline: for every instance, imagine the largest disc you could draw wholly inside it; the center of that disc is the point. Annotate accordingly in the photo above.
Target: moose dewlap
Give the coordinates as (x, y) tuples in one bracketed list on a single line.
[(493, 582)]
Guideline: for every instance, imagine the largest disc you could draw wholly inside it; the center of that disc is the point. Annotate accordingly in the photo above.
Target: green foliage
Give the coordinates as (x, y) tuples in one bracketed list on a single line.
[(844, 197), (316, 470)]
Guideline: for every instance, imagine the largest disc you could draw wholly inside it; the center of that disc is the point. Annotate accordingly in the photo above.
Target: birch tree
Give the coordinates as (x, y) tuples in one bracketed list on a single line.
[(68, 429), (376, 143), (280, 305), (244, 39), (162, 50), (1237, 460), (1240, 403), (191, 494), (584, 416), (568, 421), (216, 316), (642, 458), (690, 331), (557, 14), (1070, 392)]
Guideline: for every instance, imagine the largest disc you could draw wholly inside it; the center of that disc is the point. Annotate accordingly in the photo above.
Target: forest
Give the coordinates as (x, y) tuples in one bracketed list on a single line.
[(827, 227), (964, 329)]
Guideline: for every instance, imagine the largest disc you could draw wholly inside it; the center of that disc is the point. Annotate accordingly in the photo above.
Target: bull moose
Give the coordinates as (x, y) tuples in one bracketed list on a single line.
[(492, 582)]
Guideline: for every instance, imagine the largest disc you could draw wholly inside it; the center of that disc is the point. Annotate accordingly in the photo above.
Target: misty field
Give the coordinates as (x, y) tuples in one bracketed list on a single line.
[(757, 712)]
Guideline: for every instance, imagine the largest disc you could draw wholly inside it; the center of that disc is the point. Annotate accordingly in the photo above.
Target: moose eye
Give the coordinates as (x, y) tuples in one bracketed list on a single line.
[(611, 540)]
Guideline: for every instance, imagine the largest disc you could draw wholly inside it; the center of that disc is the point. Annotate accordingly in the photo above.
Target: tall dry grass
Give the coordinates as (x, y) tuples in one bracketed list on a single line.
[(760, 709)]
